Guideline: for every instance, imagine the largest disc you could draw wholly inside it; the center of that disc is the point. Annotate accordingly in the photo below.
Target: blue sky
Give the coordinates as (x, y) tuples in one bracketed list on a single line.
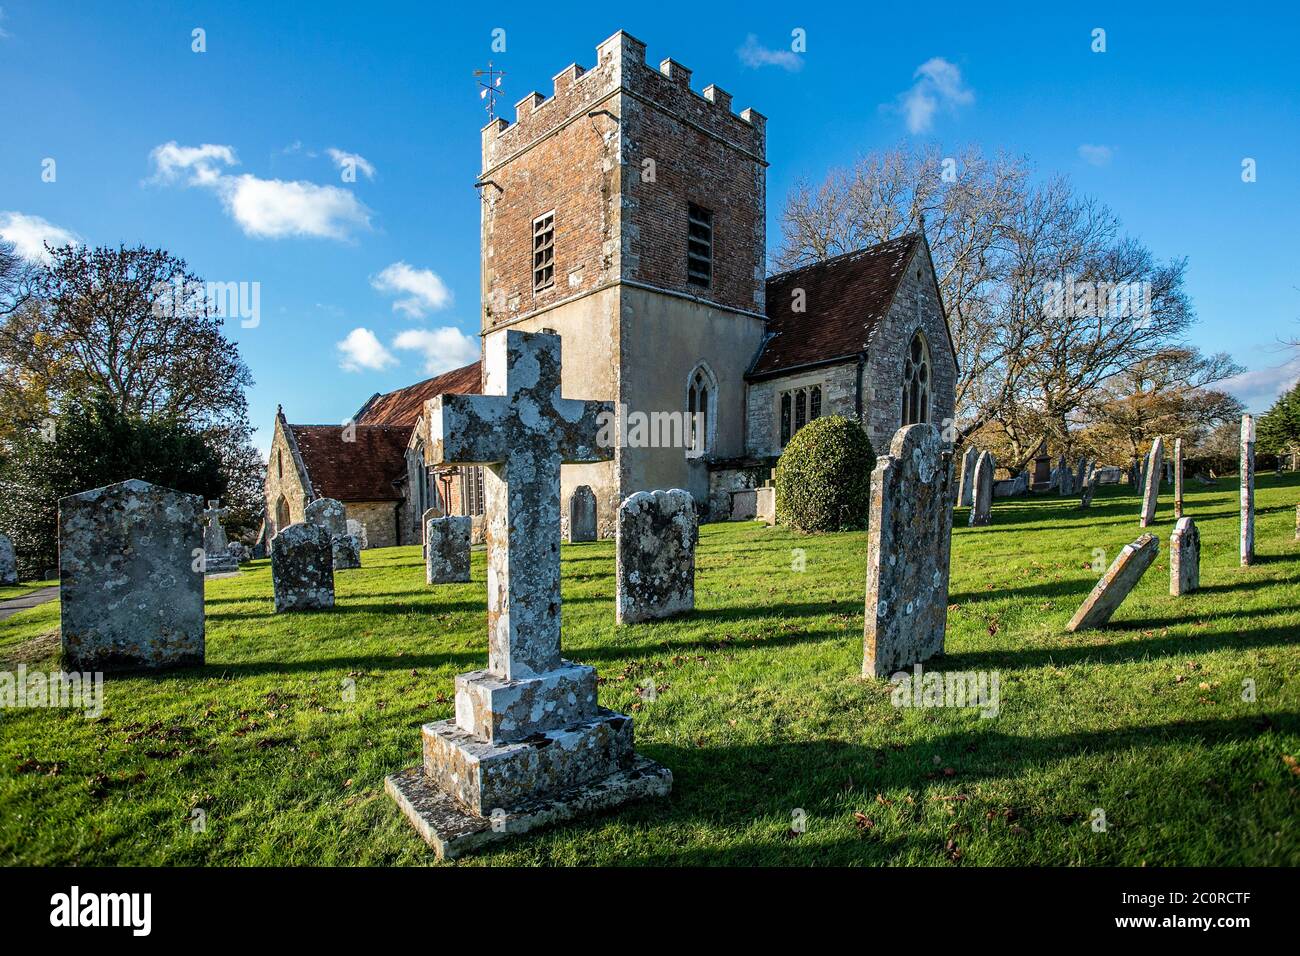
[(1157, 126)]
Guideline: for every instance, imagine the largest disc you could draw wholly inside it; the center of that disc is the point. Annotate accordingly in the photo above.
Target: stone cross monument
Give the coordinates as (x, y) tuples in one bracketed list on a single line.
[(529, 745), (217, 558)]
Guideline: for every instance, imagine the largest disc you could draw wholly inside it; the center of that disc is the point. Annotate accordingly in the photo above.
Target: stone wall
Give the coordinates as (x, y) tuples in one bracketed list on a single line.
[(763, 403), (380, 519)]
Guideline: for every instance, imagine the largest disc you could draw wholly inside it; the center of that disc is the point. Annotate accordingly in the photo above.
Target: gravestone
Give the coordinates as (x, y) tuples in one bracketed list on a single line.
[(529, 745), (1120, 578), (908, 547), (217, 558), (345, 551), (302, 568), (131, 578), (429, 515), (1081, 475), (331, 514), (982, 495), (1178, 477), (765, 505), (744, 504), (1090, 481), (1064, 479), (1247, 490), (655, 543), (582, 514), (967, 485), (8, 561), (446, 543), (237, 552), (359, 529), (1152, 489), (1184, 557)]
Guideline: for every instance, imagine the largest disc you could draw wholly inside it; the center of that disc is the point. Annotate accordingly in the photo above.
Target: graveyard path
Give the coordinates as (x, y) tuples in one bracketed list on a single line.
[(35, 598)]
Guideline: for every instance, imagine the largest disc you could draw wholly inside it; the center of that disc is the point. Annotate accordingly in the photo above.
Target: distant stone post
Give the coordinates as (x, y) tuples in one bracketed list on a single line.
[(1178, 478), (1247, 490), (1152, 490)]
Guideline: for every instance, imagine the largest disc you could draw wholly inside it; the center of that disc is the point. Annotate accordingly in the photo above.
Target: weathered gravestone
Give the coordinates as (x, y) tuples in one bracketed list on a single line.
[(655, 542), (131, 578), (429, 515), (331, 514), (1247, 490), (1184, 557), (1120, 578), (765, 504), (529, 745), (1152, 490), (1081, 475), (1090, 480), (302, 568), (217, 558), (358, 528), (446, 544), (582, 514), (982, 499), (1065, 478), (910, 537), (238, 553), (1178, 477), (966, 486), (8, 561)]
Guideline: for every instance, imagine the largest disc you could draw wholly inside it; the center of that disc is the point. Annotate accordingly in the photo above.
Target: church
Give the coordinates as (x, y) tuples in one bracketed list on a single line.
[(626, 213)]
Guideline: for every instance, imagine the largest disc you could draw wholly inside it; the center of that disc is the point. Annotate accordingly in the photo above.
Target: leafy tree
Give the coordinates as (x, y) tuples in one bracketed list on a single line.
[(823, 478), (1278, 430), (89, 445)]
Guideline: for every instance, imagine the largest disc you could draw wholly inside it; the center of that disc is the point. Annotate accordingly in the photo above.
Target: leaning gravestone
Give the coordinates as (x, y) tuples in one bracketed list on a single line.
[(967, 483), (910, 537), (8, 562), (1120, 578), (1152, 490), (1247, 490), (302, 568), (656, 537), (1184, 557), (131, 578), (446, 543), (331, 514), (217, 558), (529, 745), (582, 514), (982, 496)]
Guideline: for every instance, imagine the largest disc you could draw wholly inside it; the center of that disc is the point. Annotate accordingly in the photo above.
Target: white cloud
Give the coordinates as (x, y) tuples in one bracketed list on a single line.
[(444, 349), (343, 160), (363, 350), (938, 86), (754, 54), (263, 208), (3, 32), (1259, 388), (29, 234), (423, 289), (1096, 155)]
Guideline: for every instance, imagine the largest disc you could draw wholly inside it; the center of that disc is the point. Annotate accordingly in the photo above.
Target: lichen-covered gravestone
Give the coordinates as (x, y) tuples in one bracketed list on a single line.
[(217, 558), (331, 514), (982, 496), (358, 528), (909, 543), (446, 544), (1184, 557), (656, 538), (131, 578), (345, 551), (529, 744), (8, 562), (1090, 480), (1151, 491), (302, 568), (1120, 578), (582, 514), (966, 486), (1247, 490)]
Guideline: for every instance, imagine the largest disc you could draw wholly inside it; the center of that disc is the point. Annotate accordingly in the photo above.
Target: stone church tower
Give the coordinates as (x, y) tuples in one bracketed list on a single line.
[(625, 212)]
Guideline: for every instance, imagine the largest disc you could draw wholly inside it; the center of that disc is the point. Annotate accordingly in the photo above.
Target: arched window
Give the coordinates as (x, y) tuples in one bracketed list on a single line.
[(916, 381), (701, 410)]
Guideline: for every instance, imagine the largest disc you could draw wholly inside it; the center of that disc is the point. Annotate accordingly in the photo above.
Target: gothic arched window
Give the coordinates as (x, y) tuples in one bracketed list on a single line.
[(916, 381), (701, 410)]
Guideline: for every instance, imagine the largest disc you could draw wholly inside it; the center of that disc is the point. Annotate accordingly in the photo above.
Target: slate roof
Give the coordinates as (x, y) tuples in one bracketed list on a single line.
[(366, 469), (406, 405), (845, 300)]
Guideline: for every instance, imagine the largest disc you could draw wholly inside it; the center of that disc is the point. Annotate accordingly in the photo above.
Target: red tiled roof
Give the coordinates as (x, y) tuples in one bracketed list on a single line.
[(406, 405), (845, 299), (360, 470)]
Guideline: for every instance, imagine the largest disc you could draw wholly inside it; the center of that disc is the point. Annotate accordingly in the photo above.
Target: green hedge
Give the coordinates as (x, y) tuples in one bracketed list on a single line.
[(823, 479)]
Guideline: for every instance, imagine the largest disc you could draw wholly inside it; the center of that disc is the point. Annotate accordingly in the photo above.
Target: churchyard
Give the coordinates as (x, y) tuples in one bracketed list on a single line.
[(1170, 736)]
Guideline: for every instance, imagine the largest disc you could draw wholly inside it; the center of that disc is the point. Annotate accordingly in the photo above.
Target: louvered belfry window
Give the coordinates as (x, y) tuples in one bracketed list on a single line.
[(544, 251), (699, 245)]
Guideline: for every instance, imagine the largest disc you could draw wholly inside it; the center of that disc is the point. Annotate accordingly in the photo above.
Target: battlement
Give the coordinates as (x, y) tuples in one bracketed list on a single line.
[(621, 65)]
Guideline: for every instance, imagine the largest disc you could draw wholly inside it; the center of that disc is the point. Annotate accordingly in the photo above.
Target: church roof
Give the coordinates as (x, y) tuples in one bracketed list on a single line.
[(365, 469), (406, 405), (845, 300)]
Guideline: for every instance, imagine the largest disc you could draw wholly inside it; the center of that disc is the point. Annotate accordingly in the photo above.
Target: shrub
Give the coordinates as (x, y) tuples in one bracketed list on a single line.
[(823, 478)]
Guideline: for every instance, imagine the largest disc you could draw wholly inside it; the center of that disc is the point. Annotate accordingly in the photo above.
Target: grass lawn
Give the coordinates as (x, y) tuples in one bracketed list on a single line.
[(759, 711)]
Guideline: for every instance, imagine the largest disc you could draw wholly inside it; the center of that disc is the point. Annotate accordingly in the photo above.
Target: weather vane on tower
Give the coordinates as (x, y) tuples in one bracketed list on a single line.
[(490, 88)]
